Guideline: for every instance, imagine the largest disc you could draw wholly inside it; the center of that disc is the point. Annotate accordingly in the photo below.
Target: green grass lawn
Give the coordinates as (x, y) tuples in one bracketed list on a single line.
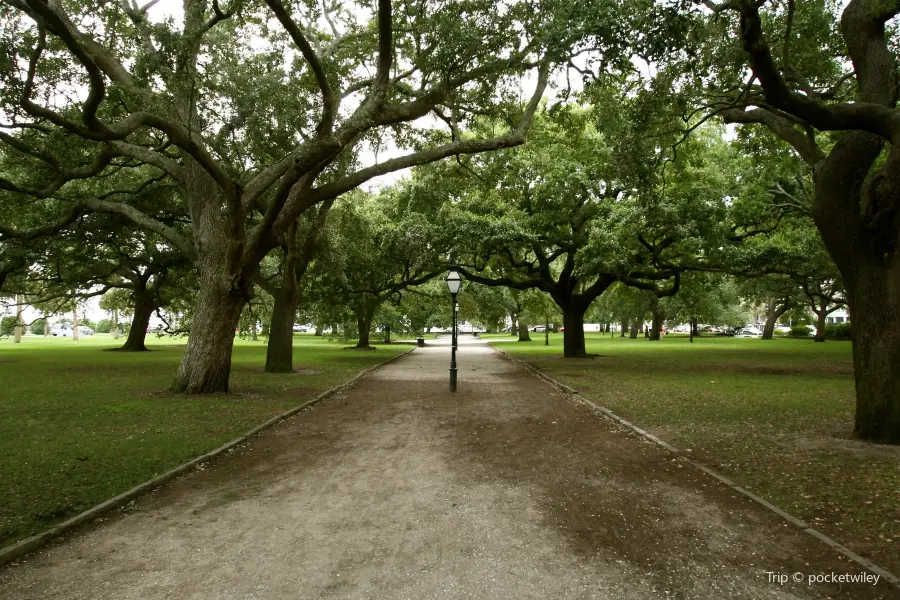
[(79, 425), (775, 416)]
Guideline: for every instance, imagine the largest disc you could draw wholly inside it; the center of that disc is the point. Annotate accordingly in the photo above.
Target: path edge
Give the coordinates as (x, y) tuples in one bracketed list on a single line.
[(28, 545), (835, 545)]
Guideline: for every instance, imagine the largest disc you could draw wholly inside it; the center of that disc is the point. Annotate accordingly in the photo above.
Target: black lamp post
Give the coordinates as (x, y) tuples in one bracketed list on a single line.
[(454, 284)]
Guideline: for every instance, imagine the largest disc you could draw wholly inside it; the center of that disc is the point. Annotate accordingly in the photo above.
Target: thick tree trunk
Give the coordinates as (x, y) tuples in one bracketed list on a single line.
[(46, 327), (875, 298), (573, 336), (624, 328), (820, 325), (693, 330), (114, 324), (658, 317), (364, 325), (206, 364), (280, 350), (524, 335), (773, 313), (140, 321), (635, 329), (514, 328)]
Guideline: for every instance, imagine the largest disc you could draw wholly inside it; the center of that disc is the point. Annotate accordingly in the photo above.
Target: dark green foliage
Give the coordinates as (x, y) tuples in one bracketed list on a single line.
[(7, 326), (37, 327), (800, 331), (838, 331)]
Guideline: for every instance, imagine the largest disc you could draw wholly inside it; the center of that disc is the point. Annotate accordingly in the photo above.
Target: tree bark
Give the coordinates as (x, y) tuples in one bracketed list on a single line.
[(659, 316), (280, 350), (773, 313), (624, 328), (875, 297), (514, 328), (114, 324), (75, 323), (144, 306), (46, 327), (364, 317), (524, 335), (820, 325), (297, 256), (635, 329), (206, 364), (573, 336)]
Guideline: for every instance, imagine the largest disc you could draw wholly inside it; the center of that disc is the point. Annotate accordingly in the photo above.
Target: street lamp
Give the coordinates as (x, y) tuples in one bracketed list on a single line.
[(454, 284)]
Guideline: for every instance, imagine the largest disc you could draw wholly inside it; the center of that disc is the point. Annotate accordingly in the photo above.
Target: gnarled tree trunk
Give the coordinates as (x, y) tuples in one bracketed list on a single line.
[(206, 364), (297, 257), (821, 316), (875, 298), (144, 306), (773, 313), (573, 336), (635, 329), (280, 349), (524, 335), (364, 315)]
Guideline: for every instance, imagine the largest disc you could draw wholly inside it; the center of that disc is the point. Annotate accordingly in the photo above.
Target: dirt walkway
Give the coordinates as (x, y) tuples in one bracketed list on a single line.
[(399, 489)]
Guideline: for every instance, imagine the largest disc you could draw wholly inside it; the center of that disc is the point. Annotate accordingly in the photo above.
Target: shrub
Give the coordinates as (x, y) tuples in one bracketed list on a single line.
[(838, 331), (103, 326), (800, 331), (7, 326), (37, 328)]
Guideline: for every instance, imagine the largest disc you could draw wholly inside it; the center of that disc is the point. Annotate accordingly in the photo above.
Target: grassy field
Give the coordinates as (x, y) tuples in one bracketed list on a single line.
[(79, 425), (775, 416)]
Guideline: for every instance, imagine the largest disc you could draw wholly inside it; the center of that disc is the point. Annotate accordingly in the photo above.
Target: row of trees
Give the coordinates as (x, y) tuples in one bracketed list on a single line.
[(132, 161)]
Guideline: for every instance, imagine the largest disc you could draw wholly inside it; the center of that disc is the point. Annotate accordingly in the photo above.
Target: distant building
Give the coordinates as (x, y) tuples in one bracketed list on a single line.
[(839, 316)]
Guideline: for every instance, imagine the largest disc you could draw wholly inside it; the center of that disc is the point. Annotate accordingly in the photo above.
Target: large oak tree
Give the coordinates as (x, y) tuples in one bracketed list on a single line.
[(246, 107)]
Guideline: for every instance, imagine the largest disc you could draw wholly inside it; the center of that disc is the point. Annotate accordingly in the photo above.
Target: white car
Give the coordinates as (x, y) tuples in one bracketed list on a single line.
[(301, 329), (747, 333)]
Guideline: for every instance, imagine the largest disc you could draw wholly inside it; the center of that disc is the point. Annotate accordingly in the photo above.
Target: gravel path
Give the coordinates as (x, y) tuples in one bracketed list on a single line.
[(399, 489)]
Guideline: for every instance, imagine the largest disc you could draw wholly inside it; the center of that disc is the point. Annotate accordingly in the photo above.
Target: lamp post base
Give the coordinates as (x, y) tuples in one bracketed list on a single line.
[(453, 379)]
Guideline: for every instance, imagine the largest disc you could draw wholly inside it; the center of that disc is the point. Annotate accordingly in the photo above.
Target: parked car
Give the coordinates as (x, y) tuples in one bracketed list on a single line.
[(301, 328), (539, 328), (561, 329), (84, 330), (747, 333)]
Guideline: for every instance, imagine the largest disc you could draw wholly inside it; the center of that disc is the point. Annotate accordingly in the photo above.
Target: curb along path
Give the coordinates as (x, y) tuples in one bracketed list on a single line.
[(13, 551), (396, 488), (863, 562)]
